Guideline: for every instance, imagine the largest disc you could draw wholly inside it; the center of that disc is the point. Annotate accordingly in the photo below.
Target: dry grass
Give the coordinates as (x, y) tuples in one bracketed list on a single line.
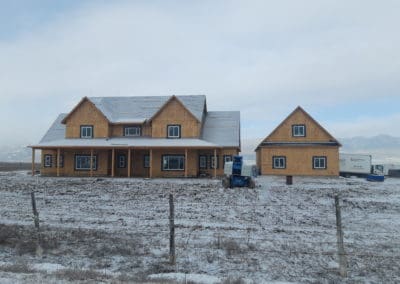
[(81, 275), (19, 267), (8, 167)]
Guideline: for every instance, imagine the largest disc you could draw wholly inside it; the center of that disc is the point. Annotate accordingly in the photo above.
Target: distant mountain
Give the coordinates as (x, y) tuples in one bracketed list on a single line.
[(383, 148), (16, 153)]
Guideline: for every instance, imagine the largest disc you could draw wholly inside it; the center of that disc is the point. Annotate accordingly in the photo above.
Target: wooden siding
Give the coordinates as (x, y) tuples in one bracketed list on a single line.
[(69, 163), (117, 130), (220, 155), (87, 114), (137, 162), (299, 160), (314, 132), (175, 114)]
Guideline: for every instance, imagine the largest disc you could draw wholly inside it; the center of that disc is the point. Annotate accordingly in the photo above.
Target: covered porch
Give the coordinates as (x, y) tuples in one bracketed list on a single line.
[(127, 161)]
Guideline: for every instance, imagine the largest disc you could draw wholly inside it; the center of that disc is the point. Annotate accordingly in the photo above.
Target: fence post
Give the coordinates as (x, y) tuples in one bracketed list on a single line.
[(339, 236), (35, 213), (172, 258), (39, 249)]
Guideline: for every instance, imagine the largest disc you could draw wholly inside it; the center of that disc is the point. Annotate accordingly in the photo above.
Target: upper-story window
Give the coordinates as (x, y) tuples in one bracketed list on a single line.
[(298, 130), (86, 131), (174, 131), (132, 131)]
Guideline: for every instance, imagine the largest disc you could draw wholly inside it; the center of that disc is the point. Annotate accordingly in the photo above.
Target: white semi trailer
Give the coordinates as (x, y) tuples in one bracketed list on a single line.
[(354, 164)]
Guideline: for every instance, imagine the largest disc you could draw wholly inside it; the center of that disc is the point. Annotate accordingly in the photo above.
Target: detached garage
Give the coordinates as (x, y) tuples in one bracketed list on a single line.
[(299, 146)]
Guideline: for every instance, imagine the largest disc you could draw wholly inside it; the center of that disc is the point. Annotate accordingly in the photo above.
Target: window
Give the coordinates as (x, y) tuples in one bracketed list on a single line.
[(319, 162), (173, 163), (214, 163), (227, 158), (86, 131), (132, 131), (121, 161), (299, 130), (82, 162), (174, 131), (279, 162), (48, 159), (146, 161), (203, 162)]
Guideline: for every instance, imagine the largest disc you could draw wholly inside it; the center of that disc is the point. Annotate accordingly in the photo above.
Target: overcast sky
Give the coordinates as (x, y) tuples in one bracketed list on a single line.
[(339, 60)]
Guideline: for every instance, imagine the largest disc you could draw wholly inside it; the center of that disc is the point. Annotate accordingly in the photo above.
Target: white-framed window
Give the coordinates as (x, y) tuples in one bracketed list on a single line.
[(121, 161), (298, 130), (319, 162), (146, 161), (132, 131), (174, 131), (214, 164), (173, 162), (82, 162), (279, 162), (86, 131), (48, 161), (203, 161)]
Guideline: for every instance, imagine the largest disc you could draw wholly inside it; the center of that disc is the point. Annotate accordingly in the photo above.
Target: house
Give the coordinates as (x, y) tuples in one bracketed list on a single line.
[(152, 136), (299, 146)]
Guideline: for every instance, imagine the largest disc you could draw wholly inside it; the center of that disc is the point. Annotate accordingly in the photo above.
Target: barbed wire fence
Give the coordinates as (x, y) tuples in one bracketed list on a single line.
[(297, 238)]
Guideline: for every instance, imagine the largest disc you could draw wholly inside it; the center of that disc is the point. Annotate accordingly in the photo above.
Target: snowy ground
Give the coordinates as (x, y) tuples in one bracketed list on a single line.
[(117, 230)]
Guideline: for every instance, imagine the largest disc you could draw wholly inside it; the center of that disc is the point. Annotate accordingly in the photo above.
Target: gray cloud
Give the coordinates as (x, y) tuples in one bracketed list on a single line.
[(262, 57)]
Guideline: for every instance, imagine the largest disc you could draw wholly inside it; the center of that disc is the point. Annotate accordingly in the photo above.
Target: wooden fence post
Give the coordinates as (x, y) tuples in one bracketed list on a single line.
[(35, 213), (39, 250), (339, 236), (172, 258)]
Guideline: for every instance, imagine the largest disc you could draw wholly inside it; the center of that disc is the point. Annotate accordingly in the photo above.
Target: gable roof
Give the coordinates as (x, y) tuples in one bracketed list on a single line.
[(56, 130), (298, 109), (222, 128), (84, 99), (141, 108), (196, 109)]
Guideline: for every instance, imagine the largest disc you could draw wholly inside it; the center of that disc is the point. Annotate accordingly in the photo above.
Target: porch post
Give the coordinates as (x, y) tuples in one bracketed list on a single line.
[(186, 162), (33, 161), (151, 163), (91, 162), (129, 162), (112, 162), (215, 163), (58, 161)]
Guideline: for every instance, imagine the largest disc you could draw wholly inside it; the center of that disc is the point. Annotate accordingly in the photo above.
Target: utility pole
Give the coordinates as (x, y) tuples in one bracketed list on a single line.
[(339, 236)]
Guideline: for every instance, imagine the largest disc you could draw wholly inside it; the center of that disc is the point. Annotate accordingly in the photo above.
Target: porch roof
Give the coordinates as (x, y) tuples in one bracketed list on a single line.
[(125, 142)]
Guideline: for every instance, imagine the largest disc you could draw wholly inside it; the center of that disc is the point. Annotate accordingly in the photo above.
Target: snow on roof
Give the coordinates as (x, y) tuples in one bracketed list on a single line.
[(126, 142), (56, 130), (222, 128), (139, 109)]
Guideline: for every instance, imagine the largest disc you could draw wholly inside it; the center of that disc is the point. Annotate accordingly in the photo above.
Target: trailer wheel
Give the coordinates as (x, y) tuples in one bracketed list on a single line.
[(252, 183), (226, 182)]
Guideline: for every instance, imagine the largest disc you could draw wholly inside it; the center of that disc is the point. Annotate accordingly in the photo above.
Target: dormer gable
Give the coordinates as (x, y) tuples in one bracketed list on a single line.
[(299, 127), (175, 120), (86, 116)]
